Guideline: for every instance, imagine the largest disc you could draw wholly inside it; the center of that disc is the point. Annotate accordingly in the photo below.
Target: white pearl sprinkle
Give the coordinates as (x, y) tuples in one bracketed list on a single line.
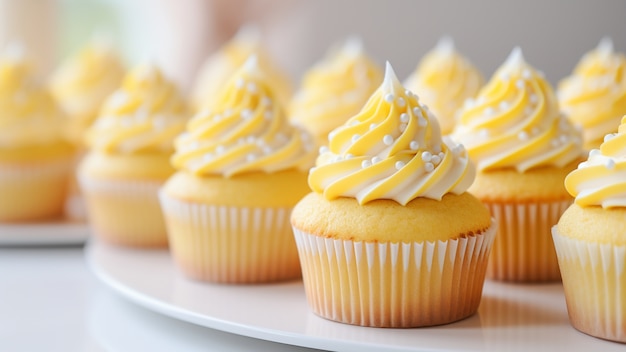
[(217, 117), (503, 105), (355, 137), (207, 157), (417, 112), (354, 122), (252, 88), (251, 140), (429, 167), (401, 102), (483, 133), (520, 84), (489, 111), (523, 135), (336, 158), (246, 114), (533, 98), (389, 97), (324, 149), (442, 155), (399, 165), (373, 125), (414, 145), (427, 156), (563, 138), (594, 152), (609, 164), (332, 134), (349, 156), (435, 159), (388, 139), (220, 149), (526, 74), (468, 103), (404, 117), (609, 136), (376, 159), (250, 157), (366, 163)]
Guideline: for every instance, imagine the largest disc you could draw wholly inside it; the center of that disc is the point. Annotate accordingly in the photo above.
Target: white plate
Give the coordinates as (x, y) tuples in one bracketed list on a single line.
[(511, 317), (59, 232)]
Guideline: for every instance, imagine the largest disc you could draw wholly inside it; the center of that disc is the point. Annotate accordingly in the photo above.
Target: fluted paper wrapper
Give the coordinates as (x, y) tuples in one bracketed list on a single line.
[(523, 250), (125, 212), (594, 282), (230, 244), (33, 191), (394, 284)]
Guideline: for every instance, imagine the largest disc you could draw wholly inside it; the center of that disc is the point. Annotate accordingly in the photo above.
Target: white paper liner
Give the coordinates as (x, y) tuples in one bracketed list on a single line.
[(394, 284), (231, 244), (125, 212), (594, 282), (523, 250)]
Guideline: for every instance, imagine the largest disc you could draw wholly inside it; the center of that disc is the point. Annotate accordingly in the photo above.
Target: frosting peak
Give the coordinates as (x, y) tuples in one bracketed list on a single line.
[(245, 130), (601, 180), (515, 122), (391, 149)]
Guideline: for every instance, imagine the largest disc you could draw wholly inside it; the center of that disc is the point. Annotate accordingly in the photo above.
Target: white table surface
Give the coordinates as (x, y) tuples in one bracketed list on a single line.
[(50, 301)]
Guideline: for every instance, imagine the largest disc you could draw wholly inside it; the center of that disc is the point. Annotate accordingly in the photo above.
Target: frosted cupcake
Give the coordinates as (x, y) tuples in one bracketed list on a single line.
[(444, 80), (594, 96), (389, 237), (219, 67), (334, 90), (128, 160), (241, 169), (590, 241), (35, 157), (524, 149)]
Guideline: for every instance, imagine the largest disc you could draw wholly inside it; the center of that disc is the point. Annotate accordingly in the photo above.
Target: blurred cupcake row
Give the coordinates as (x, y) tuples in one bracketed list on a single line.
[(393, 201)]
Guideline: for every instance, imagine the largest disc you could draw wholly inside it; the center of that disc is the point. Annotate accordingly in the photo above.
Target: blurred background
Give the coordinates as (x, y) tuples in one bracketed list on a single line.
[(178, 35)]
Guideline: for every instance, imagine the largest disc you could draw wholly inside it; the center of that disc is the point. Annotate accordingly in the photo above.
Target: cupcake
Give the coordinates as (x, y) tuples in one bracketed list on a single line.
[(241, 169), (35, 156), (444, 80), (80, 86), (590, 240), (389, 237), (594, 96), (130, 145), (219, 67), (334, 90), (523, 149)]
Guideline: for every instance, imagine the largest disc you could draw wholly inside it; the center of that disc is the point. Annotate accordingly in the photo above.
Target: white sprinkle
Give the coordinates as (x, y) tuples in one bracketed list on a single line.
[(442, 155), (336, 158), (533, 98), (388, 139), (489, 111), (251, 140), (483, 133), (354, 122), (526, 74), (408, 92), (503, 105), (520, 84), (349, 156), (609, 164), (401, 102), (429, 167), (399, 165), (435, 159), (252, 88), (217, 117), (332, 134), (609, 136), (417, 112), (267, 115), (422, 122), (220, 149), (523, 135), (355, 137), (402, 127), (266, 101), (414, 145), (404, 117), (389, 97), (373, 125), (564, 138), (246, 114), (427, 156), (366, 163), (437, 149), (468, 103), (207, 157), (250, 157), (240, 83), (376, 159), (594, 152), (323, 149)]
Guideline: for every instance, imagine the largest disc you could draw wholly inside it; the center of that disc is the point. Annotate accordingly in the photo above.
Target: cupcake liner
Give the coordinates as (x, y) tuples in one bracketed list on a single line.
[(523, 250), (394, 284), (230, 244), (124, 212), (594, 282), (33, 191)]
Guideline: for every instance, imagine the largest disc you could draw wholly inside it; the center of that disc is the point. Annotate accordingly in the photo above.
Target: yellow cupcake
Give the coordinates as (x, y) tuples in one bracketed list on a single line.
[(334, 90), (128, 160), (594, 96), (444, 80), (389, 237), (35, 158), (523, 149), (241, 171), (590, 240), (219, 67)]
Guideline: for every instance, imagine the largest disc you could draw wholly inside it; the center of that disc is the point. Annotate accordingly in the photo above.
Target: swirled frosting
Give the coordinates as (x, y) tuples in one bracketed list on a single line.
[(391, 149), (515, 122), (334, 90), (82, 84), (246, 130), (219, 67), (594, 96), (601, 180), (28, 114), (444, 79), (143, 116)]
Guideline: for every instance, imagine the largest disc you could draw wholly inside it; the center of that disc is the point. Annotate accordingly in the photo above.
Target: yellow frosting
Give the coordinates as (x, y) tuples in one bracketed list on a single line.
[(515, 122), (334, 90), (219, 67), (245, 130), (601, 180), (82, 84), (594, 96), (143, 116), (444, 79), (28, 114), (392, 149)]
